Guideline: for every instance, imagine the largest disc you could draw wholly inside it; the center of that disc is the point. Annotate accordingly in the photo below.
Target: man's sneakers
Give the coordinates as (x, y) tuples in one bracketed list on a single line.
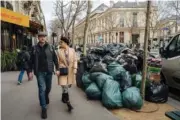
[(44, 114), (19, 83)]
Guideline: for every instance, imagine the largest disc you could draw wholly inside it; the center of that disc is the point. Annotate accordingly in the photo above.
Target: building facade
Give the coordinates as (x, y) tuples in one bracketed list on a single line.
[(20, 23), (122, 22)]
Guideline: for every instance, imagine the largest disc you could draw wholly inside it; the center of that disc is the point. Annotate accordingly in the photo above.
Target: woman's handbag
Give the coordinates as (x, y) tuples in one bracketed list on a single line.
[(64, 71)]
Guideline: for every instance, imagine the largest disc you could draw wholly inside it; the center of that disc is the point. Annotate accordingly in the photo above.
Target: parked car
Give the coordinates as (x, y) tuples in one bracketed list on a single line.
[(170, 54)]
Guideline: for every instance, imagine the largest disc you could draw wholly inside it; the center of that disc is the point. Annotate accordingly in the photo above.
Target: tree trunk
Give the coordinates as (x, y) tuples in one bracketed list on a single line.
[(145, 50), (73, 33), (86, 28)]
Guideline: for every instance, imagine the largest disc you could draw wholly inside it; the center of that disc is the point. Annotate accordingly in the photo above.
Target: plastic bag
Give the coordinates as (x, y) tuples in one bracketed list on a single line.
[(131, 98), (131, 68), (108, 59), (157, 92), (85, 80), (99, 67), (111, 95), (100, 78), (136, 79), (125, 81), (91, 59), (116, 70), (93, 92)]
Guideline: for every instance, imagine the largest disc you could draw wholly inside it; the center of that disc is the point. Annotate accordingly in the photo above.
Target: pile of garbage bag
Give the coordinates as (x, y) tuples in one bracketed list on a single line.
[(113, 77)]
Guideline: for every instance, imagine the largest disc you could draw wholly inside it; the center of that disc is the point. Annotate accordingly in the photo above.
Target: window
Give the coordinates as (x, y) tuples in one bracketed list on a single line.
[(121, 22), (134, 19), (121, 36), (174, 47)]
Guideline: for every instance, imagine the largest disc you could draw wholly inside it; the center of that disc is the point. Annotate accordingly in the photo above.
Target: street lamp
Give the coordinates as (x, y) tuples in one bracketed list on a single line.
[(54, 35)]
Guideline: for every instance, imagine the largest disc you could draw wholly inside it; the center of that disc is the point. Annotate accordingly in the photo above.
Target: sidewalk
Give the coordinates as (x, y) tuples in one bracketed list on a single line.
[(21, 102)]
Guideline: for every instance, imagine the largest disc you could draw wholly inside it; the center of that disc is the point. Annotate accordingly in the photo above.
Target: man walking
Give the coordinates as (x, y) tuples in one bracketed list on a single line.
[(42, 58), (23, 63)]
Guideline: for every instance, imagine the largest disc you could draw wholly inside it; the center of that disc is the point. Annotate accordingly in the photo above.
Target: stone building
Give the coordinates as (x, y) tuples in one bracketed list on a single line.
[(122, 22)]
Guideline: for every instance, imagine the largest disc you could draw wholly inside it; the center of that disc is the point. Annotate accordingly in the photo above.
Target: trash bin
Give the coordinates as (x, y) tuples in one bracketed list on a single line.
[(80, 71)]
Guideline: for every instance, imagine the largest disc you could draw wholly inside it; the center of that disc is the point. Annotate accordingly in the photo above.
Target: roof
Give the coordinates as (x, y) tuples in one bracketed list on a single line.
[(120, 4), (101, 7)]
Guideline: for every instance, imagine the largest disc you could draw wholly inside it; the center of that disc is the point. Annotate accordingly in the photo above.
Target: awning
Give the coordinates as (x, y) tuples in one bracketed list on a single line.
[(14, 17)]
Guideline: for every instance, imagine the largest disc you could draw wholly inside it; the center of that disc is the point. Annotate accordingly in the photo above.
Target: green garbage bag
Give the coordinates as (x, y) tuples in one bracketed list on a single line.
[(111, 95), (131, 98), (100, 78), (93, 92), (93, 76), (136, 78), (116, 70), (85, 80)]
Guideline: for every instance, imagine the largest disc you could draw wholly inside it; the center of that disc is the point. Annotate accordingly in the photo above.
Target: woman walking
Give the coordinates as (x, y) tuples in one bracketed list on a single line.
[(68, 68)]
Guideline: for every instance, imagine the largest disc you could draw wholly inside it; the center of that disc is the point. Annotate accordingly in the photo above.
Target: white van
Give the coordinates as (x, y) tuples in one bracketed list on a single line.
[(170, 54)]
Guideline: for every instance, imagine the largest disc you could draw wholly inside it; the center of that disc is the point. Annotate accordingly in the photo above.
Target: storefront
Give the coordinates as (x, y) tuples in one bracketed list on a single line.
[(13, 29)]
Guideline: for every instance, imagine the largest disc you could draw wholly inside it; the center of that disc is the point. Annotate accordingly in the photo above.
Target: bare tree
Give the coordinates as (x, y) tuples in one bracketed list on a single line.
[(86, 27), (54, 25), (67, 12), (109, 23), (173, 8), (79, 7)]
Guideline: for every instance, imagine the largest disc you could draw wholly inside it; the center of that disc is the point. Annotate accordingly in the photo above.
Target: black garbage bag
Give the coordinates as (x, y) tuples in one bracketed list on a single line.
[(108, 59), (93, 92), (91, 59), (132, 99), (121, 61), (131, 68), (157, 92), (125, 80), (99, 67), (111, 95), (114, 52), (86, 80), (81, 69), (99, 51), (116, 70), (100, 78)]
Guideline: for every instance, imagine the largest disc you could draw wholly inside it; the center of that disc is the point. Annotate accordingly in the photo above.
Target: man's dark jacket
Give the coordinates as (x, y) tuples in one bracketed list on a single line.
[(51, 58)]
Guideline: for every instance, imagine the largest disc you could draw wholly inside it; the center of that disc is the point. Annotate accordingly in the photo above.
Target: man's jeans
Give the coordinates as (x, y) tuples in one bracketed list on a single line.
[(44, 80)]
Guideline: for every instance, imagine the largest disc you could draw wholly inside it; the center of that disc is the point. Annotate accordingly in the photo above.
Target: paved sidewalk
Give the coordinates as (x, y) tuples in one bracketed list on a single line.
[(21, 102)]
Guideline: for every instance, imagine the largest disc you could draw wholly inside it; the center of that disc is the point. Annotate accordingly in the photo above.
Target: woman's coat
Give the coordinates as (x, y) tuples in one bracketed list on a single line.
[(72, 68)]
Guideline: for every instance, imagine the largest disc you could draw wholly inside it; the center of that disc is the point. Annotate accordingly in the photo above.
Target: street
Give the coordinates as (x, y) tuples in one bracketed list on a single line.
[(21, 102)]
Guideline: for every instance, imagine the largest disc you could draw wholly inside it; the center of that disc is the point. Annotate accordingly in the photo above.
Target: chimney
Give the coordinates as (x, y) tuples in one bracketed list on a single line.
[(111, 3)]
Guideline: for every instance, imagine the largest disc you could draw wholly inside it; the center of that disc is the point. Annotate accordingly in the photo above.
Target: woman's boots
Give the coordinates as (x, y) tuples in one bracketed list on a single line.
[(65, 99)]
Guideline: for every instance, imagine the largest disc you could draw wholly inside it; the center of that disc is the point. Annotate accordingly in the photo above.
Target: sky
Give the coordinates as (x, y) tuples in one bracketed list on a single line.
[(48, 7)]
